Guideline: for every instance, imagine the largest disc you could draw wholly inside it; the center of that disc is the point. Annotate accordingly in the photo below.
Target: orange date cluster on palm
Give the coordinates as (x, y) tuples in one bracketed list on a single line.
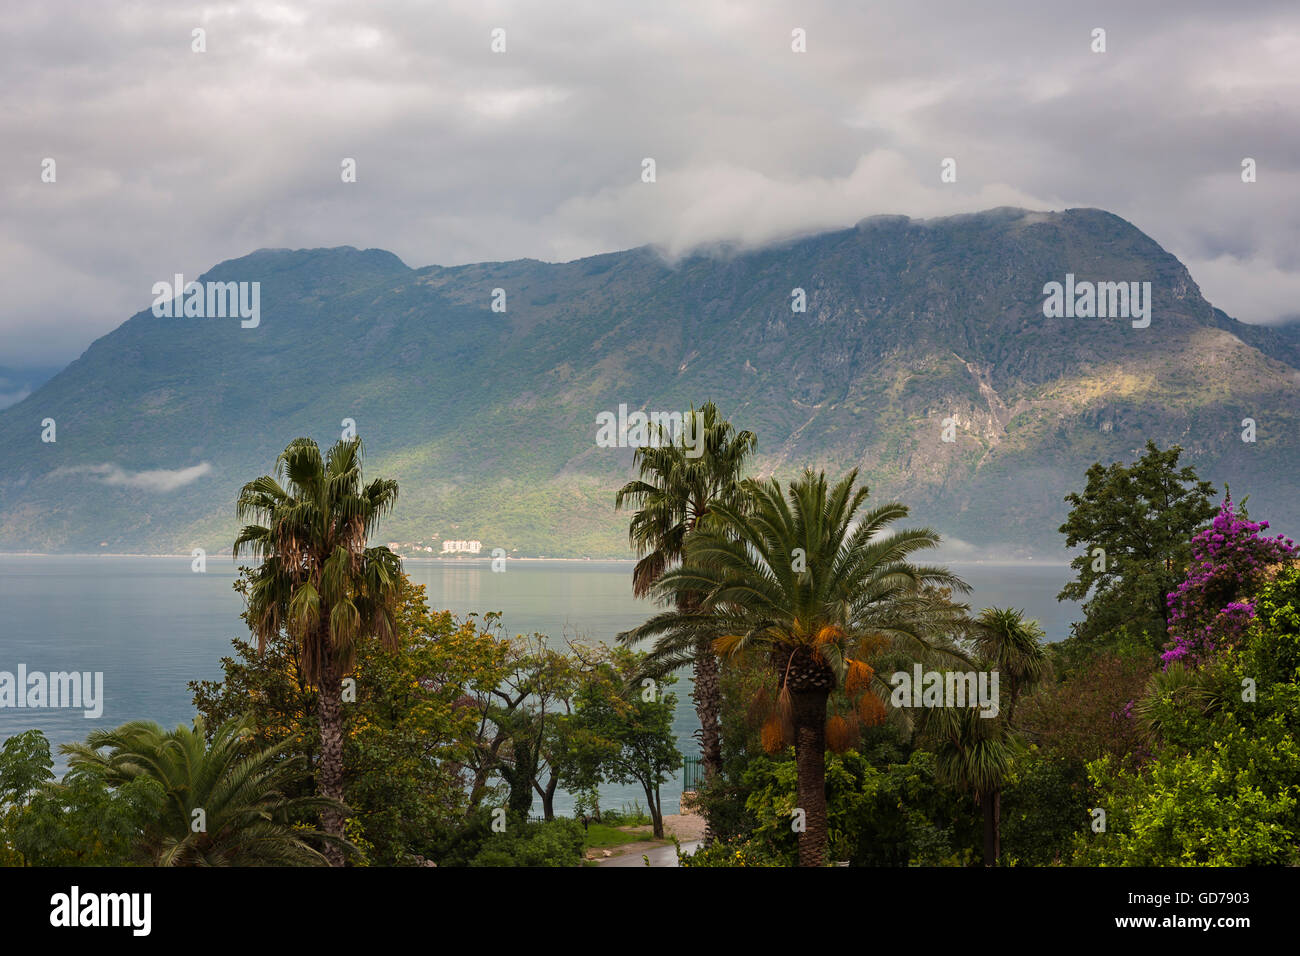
[(806, 681)]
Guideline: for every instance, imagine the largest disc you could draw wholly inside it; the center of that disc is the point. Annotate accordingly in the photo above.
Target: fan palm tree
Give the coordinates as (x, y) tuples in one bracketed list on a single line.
[(319, 582), (224, 803), (814, 585), (973, 753), (1013, 647), (675, 494)]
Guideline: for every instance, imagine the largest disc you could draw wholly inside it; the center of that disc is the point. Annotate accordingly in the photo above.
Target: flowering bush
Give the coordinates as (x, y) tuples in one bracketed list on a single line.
[(1213, 606)]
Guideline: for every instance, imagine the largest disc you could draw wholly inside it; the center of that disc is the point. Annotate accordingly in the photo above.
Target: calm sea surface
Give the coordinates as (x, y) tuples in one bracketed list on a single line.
[(150, 625)]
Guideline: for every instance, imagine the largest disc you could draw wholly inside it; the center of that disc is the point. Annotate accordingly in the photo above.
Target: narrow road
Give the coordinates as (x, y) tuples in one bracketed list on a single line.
[(659, 856)]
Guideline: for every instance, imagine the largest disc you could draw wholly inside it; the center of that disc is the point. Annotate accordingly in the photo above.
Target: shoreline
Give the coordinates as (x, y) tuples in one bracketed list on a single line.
[(435, 559), (136, 554)]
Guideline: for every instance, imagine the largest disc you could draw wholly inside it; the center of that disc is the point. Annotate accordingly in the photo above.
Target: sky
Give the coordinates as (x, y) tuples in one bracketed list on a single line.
[(169, 160)]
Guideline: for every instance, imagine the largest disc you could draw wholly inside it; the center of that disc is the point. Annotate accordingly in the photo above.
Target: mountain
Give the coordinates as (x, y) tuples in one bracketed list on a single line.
[(488, 419), (17, 383)]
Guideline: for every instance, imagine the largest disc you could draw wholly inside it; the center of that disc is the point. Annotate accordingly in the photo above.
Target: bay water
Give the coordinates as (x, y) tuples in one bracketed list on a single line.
[(151, 624)]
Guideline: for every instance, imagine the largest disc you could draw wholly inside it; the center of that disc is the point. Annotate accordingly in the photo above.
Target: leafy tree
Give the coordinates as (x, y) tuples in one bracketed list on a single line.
[(1041, 808), (1234, 803), (521, 724), (621, 733), (82, 823), (25, 765), (223, 803), (410, 735), (320, 583), (678, 489), (809, 582), (1091, 713), (1142, 518)]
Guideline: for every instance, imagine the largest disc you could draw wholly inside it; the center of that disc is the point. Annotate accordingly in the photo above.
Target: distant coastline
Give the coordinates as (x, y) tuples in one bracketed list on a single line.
[(430, 559)]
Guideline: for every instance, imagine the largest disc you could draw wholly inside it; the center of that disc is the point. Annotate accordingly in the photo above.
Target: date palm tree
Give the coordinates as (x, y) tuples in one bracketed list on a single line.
[(223, 803), (811, 582), (319, 582), (676, 493)]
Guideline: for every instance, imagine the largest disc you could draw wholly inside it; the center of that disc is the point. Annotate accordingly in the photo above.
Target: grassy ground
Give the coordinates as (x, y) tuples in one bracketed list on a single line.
[(602, 835)]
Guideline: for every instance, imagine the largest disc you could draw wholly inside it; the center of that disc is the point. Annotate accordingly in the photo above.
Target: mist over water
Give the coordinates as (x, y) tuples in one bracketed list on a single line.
[(150, 624)]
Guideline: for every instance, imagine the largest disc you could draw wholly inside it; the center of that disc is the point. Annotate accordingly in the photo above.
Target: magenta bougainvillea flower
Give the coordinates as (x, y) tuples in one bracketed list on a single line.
[(1212, 607)]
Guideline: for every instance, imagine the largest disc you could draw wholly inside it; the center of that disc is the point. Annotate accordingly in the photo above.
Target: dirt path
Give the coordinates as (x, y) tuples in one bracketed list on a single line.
[(688, 828)]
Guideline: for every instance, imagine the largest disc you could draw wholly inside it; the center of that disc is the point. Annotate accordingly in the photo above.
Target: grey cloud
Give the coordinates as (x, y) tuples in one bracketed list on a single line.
[(170, 161)]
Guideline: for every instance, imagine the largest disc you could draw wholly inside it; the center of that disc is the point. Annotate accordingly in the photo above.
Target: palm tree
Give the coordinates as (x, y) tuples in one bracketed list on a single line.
[(1013, 647), (223, 803), (319, 583), (815, 586), (973, 753), (675, 494)]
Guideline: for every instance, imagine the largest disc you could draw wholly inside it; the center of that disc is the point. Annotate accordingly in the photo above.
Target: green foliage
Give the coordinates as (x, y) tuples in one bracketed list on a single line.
[(83, 822), (474, 842), (630, 815), (625, 732), (1272, 655), (1076, 655), (1092, 711), (736, 852), (1237, 803), (1043, 807), (1143, 516), (549, 843), (1224, 787), (408, 734), (894, 814), (1174, 709), (25, 764), (223, 802), (525, 722)]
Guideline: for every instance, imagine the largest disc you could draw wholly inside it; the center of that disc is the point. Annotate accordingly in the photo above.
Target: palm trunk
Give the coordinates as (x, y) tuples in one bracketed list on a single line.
[(329, 771), (708, 707), (809, 715), (991, 802)]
